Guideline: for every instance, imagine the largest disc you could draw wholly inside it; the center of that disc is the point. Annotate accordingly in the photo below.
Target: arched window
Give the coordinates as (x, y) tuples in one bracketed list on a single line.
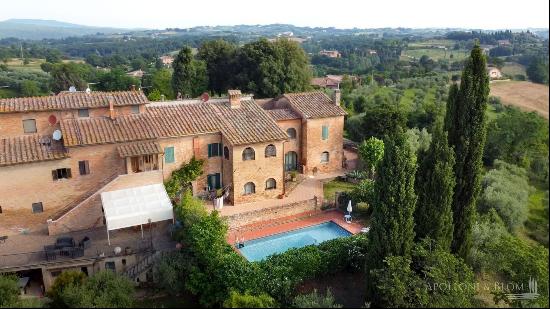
[(249, 188), (248, 154), (270, 151), (270, 184), (226, 153), (324, 157), (291, 133)]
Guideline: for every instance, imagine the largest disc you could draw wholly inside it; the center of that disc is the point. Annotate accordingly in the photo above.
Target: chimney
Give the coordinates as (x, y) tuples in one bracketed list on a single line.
[(133, 87), (336, 97), (112, 112), (234, 98)]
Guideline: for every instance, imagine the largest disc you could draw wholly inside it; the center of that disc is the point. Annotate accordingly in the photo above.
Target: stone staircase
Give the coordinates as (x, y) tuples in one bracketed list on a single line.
[(143, 265)]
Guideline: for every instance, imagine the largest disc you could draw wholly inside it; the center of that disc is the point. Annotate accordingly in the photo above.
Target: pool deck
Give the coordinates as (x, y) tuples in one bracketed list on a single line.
[(271, 227)]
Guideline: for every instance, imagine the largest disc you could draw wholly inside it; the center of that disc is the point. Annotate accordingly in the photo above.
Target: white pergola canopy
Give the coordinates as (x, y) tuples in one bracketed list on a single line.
[(136, 206)]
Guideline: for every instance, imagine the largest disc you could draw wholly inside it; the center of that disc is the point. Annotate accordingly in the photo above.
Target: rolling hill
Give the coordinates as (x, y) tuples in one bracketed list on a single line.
[(37, 29)]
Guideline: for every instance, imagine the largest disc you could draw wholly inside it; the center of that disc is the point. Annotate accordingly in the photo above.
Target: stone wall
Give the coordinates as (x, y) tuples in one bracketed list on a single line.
[(275, 212), (89, 214)]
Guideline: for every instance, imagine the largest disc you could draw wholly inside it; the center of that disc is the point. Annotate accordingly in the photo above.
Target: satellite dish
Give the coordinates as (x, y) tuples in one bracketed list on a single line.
[(72, 89), (52, 119), (205, 97), (56, 135)]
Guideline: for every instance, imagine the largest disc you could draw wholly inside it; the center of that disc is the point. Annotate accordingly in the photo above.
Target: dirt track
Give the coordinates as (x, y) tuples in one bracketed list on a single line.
[(525, 95)]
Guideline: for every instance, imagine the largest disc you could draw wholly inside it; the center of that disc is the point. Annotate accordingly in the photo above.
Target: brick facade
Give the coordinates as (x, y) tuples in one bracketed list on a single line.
[(24, 184)]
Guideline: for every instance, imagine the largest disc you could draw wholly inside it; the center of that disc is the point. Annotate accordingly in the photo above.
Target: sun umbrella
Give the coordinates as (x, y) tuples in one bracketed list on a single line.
[(349, 209)]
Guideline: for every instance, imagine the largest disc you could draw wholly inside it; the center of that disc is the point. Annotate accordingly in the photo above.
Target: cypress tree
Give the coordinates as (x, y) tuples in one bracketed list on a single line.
[(392, 224), (434, 185), (466, 125)]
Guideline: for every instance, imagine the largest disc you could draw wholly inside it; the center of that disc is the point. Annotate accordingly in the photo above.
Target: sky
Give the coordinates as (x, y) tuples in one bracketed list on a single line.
[(160, 14)]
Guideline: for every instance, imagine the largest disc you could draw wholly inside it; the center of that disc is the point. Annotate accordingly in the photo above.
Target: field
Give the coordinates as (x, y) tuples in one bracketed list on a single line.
[(33, 65), (525, 95), (512, 69), (434, 53)]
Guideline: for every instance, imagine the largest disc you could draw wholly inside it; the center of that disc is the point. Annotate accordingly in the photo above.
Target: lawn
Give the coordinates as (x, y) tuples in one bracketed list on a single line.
[(536, 226), (435, 53), (330, 188)]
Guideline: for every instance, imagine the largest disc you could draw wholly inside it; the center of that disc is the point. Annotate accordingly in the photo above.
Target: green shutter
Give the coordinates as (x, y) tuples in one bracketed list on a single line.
[(209, 181), (218, 180), (325, 132), (209, 150), (169, 155)]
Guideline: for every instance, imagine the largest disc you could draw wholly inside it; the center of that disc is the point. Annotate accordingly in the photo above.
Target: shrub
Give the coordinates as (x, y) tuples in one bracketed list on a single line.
[(363, 192), (238, 300), (66, 278), (9, 291), (170, 272), (102, 290), (315, 300), (506, 190)]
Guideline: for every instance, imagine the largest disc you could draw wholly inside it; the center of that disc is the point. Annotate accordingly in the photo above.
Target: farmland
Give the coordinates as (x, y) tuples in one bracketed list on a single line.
[(525, 95)]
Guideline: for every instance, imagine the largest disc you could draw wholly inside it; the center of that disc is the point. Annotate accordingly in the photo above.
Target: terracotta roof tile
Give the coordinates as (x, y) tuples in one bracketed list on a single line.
[(102, 130), (283, 114), (29, 148), (139, 148), (314, 104), (245, 125), (72, 100)]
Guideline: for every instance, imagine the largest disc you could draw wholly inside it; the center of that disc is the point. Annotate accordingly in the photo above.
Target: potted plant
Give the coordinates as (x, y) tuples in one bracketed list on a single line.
[(293, 175)]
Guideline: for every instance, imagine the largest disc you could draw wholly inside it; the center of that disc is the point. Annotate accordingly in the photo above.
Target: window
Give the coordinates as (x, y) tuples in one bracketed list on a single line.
[(37, 207), (110, 266), (324, 133), (61, 173), (0, 209), (249, 188), (84, 112), (248, 154), (324, 157), (214, 181), (134, 109), (270, 184), (291, 132), (84, 167), (214, 150), (29, 126), (169, 155), (270, 151), (226, 153)]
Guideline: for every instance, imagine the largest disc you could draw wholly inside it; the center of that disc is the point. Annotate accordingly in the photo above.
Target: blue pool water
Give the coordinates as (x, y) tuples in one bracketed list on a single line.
[(259, 249)]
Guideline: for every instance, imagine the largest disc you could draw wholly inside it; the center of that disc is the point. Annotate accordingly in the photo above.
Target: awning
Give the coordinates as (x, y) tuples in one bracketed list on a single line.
[(138, 149), (136, 206)]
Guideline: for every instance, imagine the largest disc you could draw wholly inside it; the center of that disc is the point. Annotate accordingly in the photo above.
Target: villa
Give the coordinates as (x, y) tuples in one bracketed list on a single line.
[(65, 160)]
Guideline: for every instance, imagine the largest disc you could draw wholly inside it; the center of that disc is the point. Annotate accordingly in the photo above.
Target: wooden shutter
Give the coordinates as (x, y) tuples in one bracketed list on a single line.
[(169, 154), (69, 175), (325, 132)]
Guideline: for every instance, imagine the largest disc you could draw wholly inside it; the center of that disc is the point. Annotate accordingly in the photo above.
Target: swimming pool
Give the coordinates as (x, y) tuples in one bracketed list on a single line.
[(260, 248)]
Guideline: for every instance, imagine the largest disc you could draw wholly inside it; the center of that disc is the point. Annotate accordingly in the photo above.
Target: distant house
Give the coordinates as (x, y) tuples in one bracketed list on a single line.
[(330, 81), (137, 73), (167, 59), (330, 53), (504, 43), (372, 52), (494, 73)]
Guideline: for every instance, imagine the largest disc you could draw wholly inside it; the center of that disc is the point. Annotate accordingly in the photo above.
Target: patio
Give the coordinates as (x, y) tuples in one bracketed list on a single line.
[(271, 227), (27, 251)]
